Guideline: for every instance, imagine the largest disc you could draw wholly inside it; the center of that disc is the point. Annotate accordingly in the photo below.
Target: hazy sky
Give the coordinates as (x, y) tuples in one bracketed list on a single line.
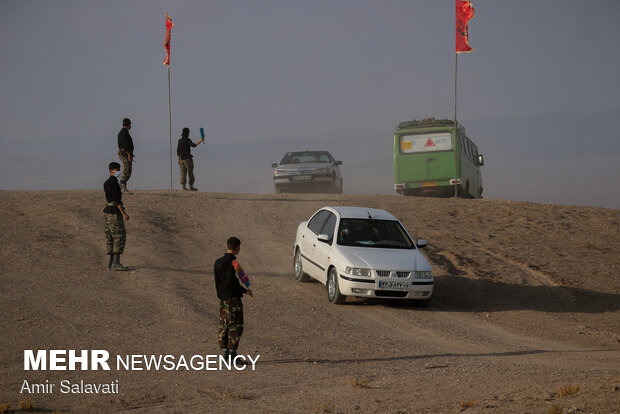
[(251, 70)]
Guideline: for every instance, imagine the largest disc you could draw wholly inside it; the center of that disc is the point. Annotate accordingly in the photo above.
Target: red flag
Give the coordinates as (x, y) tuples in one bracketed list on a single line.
[(169, 26), (464, 13)]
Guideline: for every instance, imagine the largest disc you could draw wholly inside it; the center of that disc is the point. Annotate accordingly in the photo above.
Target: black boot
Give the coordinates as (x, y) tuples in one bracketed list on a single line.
[(110, 261), (233, 355), (225, 353), (192, 188), (116, 262), (184, 187)]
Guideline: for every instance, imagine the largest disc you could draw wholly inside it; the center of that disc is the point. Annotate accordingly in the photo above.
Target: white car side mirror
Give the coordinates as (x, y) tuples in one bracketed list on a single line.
[(324, 238), (421, 244)]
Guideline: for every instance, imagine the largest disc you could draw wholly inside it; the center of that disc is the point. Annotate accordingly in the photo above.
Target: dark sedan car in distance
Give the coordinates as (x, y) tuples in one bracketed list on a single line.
[(307, 171)]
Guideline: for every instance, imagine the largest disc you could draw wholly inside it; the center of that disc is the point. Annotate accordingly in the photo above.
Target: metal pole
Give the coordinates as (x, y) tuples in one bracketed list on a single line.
[(456, 131), (170, 126)]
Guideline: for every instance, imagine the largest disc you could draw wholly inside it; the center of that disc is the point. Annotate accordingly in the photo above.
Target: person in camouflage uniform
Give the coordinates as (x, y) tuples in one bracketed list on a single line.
[(125, 153), (115, 217), (229, 277), (186, 160), (230, 326), (115, 233)]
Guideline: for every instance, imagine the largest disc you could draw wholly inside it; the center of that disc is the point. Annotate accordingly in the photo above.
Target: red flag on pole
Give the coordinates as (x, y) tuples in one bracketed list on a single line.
[(169, 26), (464, 13)]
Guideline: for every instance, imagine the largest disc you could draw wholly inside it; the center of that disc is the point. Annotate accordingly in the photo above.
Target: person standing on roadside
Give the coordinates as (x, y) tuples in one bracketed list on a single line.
[(115, 217), (125, 153), (231, 283), (186, 161)]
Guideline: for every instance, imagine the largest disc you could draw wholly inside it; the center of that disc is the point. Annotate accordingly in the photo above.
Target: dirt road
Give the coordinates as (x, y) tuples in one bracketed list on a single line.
[(525, 315)]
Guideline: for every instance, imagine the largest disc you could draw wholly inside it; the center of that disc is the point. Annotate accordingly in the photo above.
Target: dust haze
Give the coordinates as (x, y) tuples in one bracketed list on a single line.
[(569, 159)]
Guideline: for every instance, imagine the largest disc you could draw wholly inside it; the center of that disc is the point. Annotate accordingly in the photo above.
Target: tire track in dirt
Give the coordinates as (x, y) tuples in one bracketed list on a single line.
[(539, 276), (487, 336)]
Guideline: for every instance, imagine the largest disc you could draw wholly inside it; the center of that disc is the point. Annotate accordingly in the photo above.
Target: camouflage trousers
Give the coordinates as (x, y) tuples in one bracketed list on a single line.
[(115, 233), (125, 166), (187, 168), (230, 327)]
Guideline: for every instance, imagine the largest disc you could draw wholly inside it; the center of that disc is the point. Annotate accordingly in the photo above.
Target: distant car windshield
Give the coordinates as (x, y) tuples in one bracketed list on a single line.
[(306, 157), (373, 233)]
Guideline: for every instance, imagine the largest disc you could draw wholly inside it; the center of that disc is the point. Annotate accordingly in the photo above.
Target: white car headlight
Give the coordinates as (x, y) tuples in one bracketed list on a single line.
[(357, 271), (322, 171), (279, 172), (422, 274)]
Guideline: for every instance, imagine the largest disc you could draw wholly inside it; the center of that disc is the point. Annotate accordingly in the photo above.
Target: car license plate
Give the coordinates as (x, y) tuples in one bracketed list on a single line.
[(301, 178), (429, 184), (393, 284)]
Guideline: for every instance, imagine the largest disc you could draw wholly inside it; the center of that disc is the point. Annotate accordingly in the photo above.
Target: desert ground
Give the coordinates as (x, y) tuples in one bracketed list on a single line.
[(525, 316)]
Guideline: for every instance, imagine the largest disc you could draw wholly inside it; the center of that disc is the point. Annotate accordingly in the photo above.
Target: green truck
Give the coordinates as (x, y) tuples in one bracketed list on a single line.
[(430, 159)]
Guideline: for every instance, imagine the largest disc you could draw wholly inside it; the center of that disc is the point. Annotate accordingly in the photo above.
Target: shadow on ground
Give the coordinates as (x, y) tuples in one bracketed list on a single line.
[(461, 294)]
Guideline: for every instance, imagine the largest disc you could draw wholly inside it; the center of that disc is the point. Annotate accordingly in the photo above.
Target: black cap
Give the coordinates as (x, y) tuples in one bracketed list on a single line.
[(126, 121), (185, 132)]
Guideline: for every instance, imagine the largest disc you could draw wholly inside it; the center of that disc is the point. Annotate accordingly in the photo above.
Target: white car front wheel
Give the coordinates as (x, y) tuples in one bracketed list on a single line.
[(333, 290)]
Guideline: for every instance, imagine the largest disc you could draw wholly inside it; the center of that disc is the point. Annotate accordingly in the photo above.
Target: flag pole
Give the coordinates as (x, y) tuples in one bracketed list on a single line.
[(456, 131), (170, 126), (464, 13), (169, 26)]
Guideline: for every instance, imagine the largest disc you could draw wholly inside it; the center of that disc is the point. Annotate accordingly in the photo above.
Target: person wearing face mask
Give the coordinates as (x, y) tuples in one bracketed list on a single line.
[(115, 217)]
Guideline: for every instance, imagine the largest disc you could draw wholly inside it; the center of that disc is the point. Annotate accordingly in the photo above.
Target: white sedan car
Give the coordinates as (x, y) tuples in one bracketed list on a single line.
[(362, 252)]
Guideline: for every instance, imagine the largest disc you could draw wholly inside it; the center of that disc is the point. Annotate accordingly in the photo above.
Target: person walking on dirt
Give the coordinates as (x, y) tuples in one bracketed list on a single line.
[(229, 276), (125, 153), (186, 161), (115, 217)]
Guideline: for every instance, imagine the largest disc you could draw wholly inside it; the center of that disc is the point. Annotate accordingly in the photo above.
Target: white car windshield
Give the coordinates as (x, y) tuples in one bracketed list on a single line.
[(373, 233), (305, 157)]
